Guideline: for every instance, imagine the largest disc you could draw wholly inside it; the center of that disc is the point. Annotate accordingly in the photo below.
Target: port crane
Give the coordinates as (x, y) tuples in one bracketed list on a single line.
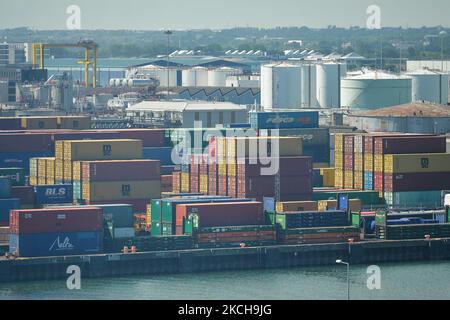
[(88, 46)]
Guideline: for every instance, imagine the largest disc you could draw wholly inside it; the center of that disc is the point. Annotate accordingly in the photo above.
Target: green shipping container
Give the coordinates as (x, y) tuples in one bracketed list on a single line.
[(156, 209), (321, 230), (162, 229), (120, 215), (415, 199), (356, 219), (15, 175)]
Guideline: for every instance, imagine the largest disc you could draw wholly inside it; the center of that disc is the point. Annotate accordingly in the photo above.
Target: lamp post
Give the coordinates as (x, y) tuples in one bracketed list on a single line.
[(168, 33), (348, 276), (442, 35)]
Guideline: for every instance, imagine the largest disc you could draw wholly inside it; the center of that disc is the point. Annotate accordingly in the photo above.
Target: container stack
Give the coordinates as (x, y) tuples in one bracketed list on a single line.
[(135, 182), (222, 167), (56, 232), (7, 202)]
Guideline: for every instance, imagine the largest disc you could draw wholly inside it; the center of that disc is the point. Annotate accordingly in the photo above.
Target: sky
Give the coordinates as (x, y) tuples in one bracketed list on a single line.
[(220, 14)]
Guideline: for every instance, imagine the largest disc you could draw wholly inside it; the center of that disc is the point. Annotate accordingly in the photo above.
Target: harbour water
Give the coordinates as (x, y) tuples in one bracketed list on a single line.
[(398, 281)]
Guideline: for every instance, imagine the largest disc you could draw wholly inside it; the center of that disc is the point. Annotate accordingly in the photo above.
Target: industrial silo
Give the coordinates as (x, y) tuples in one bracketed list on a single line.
[(195, 77), (280, 86), (308, 87), (218, 77), (375, 90), (161, 74), (328, 84), (430, 86)]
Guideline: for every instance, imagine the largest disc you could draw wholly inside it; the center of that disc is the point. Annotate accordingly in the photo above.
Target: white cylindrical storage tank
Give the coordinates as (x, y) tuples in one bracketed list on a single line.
[(218, 77), (308, 89), (189, 78), (280, 86), (375, 90), (112, 82), (328, 84), (430, 86), (161, 73)]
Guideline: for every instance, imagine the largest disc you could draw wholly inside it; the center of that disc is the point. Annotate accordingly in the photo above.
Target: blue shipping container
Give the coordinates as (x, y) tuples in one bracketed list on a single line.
[(5, 187), (56, 244), (21, 160), (163, 154), (6, 205), (57, 194), (368, 180), (284, 120)]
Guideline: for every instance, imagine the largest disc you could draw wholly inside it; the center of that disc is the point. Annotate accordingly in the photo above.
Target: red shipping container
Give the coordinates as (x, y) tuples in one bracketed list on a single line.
[(349, 162), (406, 182), (212, 183), (25, 142), (410, 144), (222, 214), (288, 166), (166, 183), (194, 184), (378, 180), (149, 137), (349, 142), (25, 194), (265, 186), (232, 187), (128, 170), (176, 182), (222, 186), (83, 135), (84, 219)]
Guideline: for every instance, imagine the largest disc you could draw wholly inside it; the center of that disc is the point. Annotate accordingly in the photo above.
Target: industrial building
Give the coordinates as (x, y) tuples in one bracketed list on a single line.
[(186, 113), (242, 96), (415, 117), (373, 90)]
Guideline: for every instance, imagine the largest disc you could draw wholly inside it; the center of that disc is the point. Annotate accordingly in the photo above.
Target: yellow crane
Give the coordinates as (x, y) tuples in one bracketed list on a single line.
[(87, 45)]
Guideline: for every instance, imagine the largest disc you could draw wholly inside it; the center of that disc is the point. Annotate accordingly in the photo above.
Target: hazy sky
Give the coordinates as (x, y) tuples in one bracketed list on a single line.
[(193, 14)]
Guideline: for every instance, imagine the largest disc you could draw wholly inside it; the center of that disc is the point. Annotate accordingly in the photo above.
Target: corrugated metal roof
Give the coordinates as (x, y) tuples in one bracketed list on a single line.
[(180, 106), (417, 109)]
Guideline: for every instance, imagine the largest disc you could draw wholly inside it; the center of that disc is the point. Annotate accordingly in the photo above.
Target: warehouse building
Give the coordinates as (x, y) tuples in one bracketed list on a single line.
[(186, 113), (424, 118), (242, 96)]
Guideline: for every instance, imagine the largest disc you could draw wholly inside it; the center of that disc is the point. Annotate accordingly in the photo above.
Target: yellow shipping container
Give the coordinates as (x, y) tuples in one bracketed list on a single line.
[(339, 178), (33, 181), (34, 167), (274, 146), (39, 123), (59, 149), (328, 175), (222, 169), (50, 169), (339, 160), (355, 205), (358, 180), (74, 122), (204, 181), (76, 170), (348, 179), (320, 165), (68, 173), (339, 142), (378, 163), (221, 148), (81, 150), (359, 162), (59, 169), (368, 162), (412, 163), (185, 182), (121, 190), (41, 181), (232, 170), (293, 206), (42, 168)]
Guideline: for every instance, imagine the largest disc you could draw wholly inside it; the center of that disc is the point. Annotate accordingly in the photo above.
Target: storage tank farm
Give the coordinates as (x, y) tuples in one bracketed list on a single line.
[(303, 85), (218, 77), (375, 89), (430, 86), (195, 77)]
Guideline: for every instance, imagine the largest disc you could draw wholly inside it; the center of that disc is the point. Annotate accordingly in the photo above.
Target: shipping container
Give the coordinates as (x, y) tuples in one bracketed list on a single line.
[(82, 150), (5, 187), (25, 194), (417, 163), (10, 123), (297, 206), (25, 142), (71, 219), (284, 120), (403, 182), (410, 145), (120, 215), (221, 214), (310, 136), (328, 175), (367, 197), (176, 182), (149, 137), (74, 122), (163, 154), (319, 235), (120, 233), (253, 147), (353, 205), (56, 244), (139, 206), (116, 170), (56, 194), (166, 183), (285, 166), (290, 220), (15, 175), (6, 205), (121, 190), (414, 199), (39, 123)]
